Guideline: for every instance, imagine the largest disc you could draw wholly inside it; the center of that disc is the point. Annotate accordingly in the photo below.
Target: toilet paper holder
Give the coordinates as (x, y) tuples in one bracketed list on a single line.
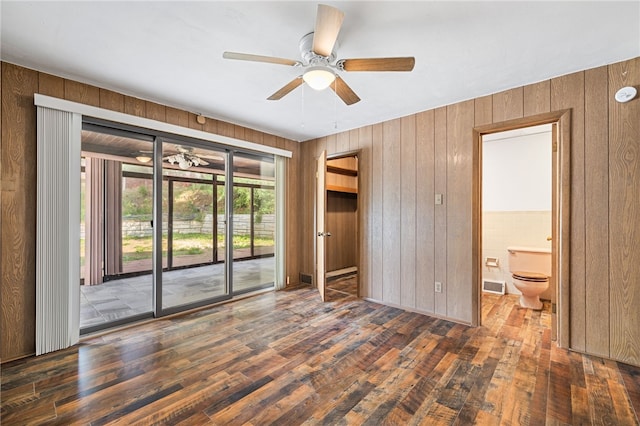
[(492, 262)]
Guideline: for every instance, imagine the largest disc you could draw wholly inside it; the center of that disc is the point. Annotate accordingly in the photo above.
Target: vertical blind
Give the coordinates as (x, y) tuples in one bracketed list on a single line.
[(58, 230), (281, 196)]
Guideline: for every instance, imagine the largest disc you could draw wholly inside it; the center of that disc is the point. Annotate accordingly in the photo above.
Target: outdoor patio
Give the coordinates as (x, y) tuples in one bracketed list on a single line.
[(123, 298)]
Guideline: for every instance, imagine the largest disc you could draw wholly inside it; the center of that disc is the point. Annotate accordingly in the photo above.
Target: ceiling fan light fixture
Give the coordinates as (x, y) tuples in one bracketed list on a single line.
[(319, 77), (143, 159), (184, 163)]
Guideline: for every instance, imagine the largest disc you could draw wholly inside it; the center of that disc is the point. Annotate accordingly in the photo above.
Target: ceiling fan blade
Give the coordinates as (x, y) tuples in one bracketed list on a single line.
[(210, 156), (286, 89), (378, 64), (197, 161), (343, 90), (328, 23), (260, 58)]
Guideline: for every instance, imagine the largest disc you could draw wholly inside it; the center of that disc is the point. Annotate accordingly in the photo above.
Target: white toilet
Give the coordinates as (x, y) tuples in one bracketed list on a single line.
[(530, 268)]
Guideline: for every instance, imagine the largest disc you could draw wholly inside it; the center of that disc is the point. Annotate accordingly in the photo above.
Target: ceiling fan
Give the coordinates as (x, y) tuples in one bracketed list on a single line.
[(186, 158), (319, 63)]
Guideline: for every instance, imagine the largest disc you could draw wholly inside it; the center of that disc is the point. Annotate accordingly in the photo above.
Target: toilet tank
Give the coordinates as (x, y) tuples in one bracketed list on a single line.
[(530, 259)]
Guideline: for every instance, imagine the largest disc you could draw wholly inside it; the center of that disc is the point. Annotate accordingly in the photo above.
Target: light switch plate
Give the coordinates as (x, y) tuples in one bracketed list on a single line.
[(438, 199)]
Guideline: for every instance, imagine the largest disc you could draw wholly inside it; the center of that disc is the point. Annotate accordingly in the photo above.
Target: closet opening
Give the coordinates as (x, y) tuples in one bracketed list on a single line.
[(341, 219)]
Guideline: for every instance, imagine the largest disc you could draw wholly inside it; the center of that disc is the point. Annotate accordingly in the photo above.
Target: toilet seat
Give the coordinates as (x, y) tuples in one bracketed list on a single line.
[(530, 276)]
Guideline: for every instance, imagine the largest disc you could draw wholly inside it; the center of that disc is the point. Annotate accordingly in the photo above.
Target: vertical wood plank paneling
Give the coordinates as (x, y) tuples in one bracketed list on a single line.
[(50, 85), (596, 160), (354, 139), (239, 133), (483, 113), (342, 142), (177, 117), (568, 92), (154, 111), (211, 125), (320, 145), (460, 122), (365, 135), (134, 106), (225, 129), (391, 211), (508, 105), (111, 100), (259, 137), (408, 211), (440, 225), (537, 98), (294, 215), (331, 142), (425, 211), (624, 214), (81, 93), (17, 212), (2, 249), (483, 110), (376, 212)]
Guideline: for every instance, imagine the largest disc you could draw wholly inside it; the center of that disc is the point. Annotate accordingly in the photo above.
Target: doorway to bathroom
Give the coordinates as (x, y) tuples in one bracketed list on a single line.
[(517, 213), (522, 195)]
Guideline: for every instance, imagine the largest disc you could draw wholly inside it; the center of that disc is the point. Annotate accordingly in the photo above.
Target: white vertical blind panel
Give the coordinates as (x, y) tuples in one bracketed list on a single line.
[(281, 185), (58, 230)]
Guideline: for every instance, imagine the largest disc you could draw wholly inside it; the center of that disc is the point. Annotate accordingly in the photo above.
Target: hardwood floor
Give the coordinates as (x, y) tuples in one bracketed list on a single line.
[(286, 358)]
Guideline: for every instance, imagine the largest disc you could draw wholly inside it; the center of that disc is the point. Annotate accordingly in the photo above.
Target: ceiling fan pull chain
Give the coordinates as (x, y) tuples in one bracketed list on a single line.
[(335, 104), (302, 109)]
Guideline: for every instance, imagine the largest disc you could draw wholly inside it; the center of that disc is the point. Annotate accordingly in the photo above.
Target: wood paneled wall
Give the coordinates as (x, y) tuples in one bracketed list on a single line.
[(18, 192), (408, 242)]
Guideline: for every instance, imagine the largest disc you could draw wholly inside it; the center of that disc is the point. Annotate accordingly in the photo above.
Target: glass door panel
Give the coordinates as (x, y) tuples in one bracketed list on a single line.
[(193, 271), (220, 225), (137, 219), (264, 221), (116, 238), (253, 222), (192, 237)]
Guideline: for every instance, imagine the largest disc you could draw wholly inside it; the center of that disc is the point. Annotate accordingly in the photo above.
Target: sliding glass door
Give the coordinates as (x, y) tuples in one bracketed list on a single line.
[(156, 230), (116, 282)]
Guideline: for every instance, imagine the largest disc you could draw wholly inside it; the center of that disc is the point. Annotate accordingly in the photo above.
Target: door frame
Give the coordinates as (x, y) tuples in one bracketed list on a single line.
[(352, 153), (562, 189)]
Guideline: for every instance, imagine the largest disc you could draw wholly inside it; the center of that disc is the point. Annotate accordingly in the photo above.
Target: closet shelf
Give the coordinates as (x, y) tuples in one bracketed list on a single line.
[(341, 171), (337, 188)]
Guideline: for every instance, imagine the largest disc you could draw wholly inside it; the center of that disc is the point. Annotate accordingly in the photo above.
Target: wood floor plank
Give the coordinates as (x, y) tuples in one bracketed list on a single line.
[(287, 358)]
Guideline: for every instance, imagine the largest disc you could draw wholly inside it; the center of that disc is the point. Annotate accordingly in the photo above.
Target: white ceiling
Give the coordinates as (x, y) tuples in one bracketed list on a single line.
[(171, 52)]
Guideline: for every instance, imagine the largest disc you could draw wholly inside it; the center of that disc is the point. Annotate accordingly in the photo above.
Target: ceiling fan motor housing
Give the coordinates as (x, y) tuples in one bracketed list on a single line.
[(310, 57)]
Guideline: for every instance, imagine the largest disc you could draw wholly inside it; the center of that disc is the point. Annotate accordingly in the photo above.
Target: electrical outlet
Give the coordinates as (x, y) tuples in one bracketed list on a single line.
[(438, 287)]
